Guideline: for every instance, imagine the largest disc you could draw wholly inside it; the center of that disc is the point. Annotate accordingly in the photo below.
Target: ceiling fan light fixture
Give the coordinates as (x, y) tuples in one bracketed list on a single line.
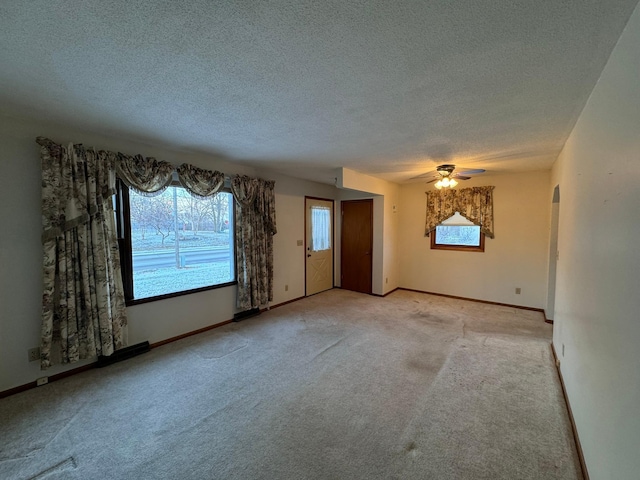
[(445, 182), (446, 178)]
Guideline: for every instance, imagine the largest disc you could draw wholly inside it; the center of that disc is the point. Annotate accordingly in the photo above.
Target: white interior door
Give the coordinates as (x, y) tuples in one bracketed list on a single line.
[(319, 245)]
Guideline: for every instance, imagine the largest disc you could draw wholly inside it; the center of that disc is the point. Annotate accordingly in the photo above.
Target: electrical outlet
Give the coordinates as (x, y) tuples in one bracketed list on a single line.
[(518, 290), (34, 354), (286, 288), (299, 243), (42, 381)]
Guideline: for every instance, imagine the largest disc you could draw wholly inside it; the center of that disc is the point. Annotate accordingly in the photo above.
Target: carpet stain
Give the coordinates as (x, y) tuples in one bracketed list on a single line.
[(410, 449), (427, 362), (428, 317), (419, 364), (59, 467)]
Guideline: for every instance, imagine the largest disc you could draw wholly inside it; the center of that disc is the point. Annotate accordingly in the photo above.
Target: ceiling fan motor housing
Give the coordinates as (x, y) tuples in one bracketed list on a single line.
[(445, 170)]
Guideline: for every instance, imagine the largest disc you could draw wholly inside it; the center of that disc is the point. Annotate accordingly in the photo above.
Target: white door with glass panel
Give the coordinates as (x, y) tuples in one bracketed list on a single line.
[(319, 247)]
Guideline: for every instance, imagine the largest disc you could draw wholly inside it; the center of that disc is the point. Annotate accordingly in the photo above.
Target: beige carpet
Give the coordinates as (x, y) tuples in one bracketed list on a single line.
[(336, 386)]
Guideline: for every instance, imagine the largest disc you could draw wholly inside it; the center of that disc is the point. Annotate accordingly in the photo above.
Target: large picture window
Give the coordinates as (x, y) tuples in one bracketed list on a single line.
[(457, 233), (174, 243)]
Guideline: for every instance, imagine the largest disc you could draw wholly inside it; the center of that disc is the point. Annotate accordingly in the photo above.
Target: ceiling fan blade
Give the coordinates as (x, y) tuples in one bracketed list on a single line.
[(459, 177), (472, 171), (424, 175), (432, 180)]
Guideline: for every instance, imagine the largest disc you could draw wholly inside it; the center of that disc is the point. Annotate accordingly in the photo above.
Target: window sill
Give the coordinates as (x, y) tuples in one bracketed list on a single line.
[(140, 301)]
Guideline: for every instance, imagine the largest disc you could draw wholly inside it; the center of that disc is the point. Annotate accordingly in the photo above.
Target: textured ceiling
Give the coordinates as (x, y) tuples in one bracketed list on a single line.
[(389, 88)]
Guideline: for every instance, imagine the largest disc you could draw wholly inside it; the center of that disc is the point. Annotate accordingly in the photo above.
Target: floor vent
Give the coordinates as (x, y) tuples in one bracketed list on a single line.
[(123, 354), (246, 314)]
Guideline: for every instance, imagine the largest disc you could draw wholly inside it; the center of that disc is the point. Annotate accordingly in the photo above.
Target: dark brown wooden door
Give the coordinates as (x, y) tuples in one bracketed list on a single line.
[(357, 245)]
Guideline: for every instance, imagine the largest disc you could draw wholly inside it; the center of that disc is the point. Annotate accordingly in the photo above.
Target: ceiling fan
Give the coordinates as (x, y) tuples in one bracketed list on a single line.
[(444, 175)]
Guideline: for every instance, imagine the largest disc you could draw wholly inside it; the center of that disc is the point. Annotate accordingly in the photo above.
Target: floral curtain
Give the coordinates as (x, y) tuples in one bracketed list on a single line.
[(147, 176), (198, 182), (83, 308), (255, 225), (475, 204), (441, 204)]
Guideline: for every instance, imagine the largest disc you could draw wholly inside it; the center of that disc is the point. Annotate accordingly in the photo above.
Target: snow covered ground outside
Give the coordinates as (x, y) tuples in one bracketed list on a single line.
[(161, 281)]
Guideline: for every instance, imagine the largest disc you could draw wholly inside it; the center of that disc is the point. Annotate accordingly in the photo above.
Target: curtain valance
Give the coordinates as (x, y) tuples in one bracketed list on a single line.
[(147, 176), (475, 204), (198, 182)]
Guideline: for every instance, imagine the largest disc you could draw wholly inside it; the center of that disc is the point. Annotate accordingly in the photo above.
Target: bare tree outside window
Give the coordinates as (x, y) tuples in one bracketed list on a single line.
[(158, 213), (218, 212)]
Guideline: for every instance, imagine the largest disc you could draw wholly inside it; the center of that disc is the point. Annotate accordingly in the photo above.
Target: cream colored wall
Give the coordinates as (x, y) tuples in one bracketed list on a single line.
[(597, 314), (289, 258), (21, 251), (391, 265), (516, 257)]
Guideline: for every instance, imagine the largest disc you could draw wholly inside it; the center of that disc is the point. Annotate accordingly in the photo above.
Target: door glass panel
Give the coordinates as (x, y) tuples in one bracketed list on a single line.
[(320, 228)]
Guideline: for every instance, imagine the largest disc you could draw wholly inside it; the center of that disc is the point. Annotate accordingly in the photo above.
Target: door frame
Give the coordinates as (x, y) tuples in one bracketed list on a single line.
[(342, 230), (333, 239), (550, 309)]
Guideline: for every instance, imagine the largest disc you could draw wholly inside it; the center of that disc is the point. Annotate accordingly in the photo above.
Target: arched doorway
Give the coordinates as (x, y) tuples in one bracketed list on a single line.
[(553, 254)]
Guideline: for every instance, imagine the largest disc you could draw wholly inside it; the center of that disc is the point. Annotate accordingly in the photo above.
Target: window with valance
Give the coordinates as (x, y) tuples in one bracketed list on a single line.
[(83, 303), (474, 203)]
